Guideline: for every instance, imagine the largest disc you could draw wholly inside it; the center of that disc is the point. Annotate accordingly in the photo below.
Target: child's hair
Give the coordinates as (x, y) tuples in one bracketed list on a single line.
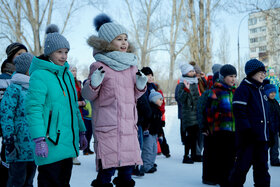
[(269, 88), (154, 96), (54, 40)]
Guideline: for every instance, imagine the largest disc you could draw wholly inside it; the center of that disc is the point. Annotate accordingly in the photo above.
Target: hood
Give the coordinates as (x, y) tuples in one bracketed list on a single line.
[(21, 79), (101, 45), (40, 64)]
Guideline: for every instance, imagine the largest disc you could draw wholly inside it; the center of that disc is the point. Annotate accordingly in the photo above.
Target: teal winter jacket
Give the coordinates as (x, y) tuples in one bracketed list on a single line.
[(52, 110)]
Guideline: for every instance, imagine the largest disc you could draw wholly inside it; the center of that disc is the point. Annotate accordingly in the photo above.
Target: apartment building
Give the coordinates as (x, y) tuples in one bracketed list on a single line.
[(264, 37)]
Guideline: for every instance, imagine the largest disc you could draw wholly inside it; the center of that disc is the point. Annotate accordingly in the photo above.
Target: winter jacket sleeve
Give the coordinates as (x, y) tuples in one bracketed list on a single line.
[(211, 108), (7, 112), (34, 105), (201, 110), (183, 94), (240, 107)]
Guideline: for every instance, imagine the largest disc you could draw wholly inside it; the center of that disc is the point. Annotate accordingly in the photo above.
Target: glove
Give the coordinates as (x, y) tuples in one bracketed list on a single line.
[(83, 141), (146, 133), (97, 77), (141, 80), (41, 148), (160, 139)]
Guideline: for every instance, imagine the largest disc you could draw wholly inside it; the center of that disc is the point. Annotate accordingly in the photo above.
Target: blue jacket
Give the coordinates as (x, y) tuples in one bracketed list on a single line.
[(250, 108), (19, 146)]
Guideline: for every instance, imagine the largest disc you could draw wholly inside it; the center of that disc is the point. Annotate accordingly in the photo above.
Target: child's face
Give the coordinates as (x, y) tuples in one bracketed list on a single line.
[(191, 73), (272, 95), (150, 78), (74, 72), (259, 76), (159, 102), (120, 43), (230, 80), (59, 57)]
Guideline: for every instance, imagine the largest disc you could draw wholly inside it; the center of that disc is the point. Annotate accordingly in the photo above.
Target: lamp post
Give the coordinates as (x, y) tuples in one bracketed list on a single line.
[(238, 47)]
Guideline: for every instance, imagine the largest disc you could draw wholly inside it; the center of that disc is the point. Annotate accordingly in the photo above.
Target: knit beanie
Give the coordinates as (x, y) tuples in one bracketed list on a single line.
[(227, 70), (253, 66), (216, 68), (154, 96), (147, 71), (22, 62), (186, 68), (268, 88), (196, 67), (107, 30), (12, 49), (54, 40)]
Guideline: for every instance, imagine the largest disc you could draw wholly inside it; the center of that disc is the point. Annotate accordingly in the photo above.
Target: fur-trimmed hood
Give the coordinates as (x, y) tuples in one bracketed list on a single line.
[(100, 45)]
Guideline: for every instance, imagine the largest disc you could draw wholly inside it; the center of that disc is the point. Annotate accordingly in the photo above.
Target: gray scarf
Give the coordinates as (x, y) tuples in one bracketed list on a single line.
[(21, 79), (117, 60), (191, 80)]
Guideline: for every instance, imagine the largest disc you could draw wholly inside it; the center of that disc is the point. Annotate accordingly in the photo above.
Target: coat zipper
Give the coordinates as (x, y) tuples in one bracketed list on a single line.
[(72, 125), (263, 114)]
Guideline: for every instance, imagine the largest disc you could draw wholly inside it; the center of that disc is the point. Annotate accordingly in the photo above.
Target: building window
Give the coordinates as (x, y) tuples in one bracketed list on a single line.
[(253, 40), (262, 49), (255, 30), (262, 29), (253, 50), (262, 19), (262, 38), (252, 21)]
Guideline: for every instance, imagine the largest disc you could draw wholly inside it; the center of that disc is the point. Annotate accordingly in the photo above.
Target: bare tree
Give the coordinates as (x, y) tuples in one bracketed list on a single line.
[(23, 21), (144, 27), (223, 51)]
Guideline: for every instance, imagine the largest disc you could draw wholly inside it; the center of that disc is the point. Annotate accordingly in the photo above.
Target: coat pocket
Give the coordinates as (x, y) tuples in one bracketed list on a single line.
[(107, 113), (53, 131)]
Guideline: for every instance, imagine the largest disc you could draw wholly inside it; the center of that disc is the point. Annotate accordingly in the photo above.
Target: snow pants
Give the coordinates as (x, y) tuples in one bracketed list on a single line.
[(56, 174), (149, 152), (255, 154)]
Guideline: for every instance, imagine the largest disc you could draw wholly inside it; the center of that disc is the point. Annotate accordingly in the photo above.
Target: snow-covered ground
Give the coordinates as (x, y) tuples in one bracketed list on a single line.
[(171, 172)]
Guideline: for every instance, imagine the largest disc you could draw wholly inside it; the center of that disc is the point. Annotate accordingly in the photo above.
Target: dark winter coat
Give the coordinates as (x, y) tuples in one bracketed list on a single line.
[(144, 112), (274, 112), (156, 123), (188, 98), (178, 102), (250, 108)]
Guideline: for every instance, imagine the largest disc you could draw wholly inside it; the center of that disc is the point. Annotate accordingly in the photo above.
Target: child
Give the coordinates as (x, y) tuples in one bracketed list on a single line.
[(274, 112), (188, 95), (54, 118), (149, 151), (19, 145), (220, 142), (113, 87), (250, 109)]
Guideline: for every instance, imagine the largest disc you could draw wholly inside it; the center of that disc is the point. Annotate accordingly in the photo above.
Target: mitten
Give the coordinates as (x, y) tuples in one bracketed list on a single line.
[(146, 133), (41, 148), (83, 141), (97, 77), (141, 80)]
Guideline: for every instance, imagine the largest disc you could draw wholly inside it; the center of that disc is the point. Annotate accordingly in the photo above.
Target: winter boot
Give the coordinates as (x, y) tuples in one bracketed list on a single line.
[(187, 160), (120, 183), (95, 183)]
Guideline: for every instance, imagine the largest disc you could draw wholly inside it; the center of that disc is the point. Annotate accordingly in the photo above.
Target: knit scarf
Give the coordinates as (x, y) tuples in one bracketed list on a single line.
[(191, 80), (117, 60)]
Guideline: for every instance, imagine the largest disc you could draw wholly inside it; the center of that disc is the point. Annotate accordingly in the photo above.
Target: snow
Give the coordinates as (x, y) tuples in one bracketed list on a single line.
[(171, 171)]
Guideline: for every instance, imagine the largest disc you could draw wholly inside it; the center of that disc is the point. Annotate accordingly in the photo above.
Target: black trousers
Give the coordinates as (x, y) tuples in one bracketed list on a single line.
[(164, 146), (88, 133), (255, 154), (190, 140), (3, 170), (56, 174), (21, 174)]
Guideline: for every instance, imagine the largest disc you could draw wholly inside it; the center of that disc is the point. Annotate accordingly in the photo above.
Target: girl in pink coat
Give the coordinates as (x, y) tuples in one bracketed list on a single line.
[(114, 85)]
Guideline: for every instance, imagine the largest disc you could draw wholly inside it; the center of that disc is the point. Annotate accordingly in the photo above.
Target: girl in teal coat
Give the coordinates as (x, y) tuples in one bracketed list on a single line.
[(54, 118)]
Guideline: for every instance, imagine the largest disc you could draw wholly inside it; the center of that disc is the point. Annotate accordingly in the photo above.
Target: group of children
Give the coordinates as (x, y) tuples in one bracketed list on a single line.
[(238, 125), (42, 123)]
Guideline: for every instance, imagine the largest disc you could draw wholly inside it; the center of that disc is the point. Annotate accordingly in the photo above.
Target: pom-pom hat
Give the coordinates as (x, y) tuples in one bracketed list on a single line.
[(54, 40), (22, 62), (107, 30)]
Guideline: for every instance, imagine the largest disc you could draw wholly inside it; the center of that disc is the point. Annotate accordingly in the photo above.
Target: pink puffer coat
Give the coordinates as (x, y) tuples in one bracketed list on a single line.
[(114, 117)]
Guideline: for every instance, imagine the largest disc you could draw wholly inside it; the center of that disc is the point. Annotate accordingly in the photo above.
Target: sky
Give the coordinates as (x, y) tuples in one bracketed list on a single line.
[(81, 28)]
